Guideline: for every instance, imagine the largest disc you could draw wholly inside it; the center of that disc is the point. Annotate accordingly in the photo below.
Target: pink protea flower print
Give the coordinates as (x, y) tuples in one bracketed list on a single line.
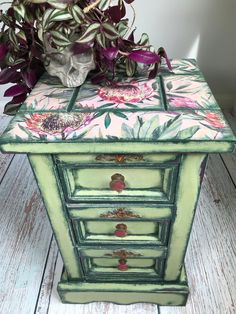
[(185, 102), (215, 120), (57, 123), (123, 92)]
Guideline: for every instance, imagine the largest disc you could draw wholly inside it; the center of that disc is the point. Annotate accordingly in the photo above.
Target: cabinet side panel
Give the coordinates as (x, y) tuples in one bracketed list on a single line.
[(188, 187), (45, 174)]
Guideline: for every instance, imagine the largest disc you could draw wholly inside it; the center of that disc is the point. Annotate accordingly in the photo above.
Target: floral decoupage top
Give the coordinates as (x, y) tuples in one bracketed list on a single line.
[(176, 107)]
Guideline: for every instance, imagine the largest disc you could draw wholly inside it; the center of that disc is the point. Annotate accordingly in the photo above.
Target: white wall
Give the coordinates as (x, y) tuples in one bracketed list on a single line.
[(202, 29)]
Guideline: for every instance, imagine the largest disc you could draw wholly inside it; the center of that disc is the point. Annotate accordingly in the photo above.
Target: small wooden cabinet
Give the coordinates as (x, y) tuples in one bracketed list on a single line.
[(119, 168)]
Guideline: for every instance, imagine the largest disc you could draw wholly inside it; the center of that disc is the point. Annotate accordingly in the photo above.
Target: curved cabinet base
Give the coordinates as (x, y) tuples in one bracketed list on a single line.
[(164, 293)]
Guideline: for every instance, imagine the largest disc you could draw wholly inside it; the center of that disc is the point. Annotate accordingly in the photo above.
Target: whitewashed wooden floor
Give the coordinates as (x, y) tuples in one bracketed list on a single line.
[(30, 265)]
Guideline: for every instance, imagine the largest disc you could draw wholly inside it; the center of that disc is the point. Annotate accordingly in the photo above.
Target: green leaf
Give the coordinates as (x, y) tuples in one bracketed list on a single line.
[(144, 40), (182, 87), (107, 120), (104, 5), (56, 4), (148, 127), (130, 67), (13, 38), (187, 133), (21, 35), (55, 15), (169, 85), (77, 13), (123, 27), (98, 114), (110, 31), (60, 39), (89, 34), (101, 40), (120, 114), (106, 105), (126, 131), (20, 9)]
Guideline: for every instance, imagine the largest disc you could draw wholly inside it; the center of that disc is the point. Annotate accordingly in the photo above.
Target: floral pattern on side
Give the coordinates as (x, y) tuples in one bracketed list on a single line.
[(188, 92), (48, 94), (132, 126), (181, 66), (131, 94)]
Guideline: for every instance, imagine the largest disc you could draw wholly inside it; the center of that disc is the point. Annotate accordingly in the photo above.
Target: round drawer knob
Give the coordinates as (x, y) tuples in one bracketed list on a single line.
[(122, 266), (117, 182), (121, 230)]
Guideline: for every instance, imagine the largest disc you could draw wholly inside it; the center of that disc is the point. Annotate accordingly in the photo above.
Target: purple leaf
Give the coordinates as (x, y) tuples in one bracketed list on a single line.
[(110, 53), (153, 73), (129, 1), (15, 90), (7, 75), (143, 56), (19, 99), (98, 78), (116, 13), (78, 48), (3, 51), (162, 53), (30, 78), (131, 36)]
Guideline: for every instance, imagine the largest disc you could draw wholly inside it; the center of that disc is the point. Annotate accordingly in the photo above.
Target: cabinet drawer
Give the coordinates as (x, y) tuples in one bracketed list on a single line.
[(105, 232), (122, 264), (90, 182), (105, 225)]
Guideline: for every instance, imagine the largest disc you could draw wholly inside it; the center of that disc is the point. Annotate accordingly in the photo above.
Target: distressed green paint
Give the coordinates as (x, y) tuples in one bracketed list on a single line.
[(112, 262), (168, 298), (120, 147), (97, 213), (88, 158), (81, 184), (103, 232), (44, 171), (186, 201), (108, 227), (74, 156), (134, 178), (161, 293), (107, 253)]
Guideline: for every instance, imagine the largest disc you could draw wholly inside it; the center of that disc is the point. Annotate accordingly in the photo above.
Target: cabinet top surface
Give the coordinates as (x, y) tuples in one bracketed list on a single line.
[(176, 108)]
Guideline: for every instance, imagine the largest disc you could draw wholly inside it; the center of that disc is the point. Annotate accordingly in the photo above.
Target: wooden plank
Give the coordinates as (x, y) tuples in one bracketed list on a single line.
[(211, 258), (25, 237), (5, 159), (47, 282), (56, 307), (230, 163)]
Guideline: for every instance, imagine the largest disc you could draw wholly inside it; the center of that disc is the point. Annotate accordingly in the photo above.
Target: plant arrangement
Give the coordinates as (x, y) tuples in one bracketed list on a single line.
[(29, 27)]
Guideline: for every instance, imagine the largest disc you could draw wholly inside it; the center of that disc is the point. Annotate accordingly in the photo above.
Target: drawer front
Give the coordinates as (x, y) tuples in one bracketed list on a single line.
[(130, 224), (122, 264), (119, 211), (120, 183), (131, 232)]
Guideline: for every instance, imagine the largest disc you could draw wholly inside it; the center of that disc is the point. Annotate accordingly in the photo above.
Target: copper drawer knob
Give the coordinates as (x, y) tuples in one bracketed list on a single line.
[(117, 182), (122, 266), (121, 230)]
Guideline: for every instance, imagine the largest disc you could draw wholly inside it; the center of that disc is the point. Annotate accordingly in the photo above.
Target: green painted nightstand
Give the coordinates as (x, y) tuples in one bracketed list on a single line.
[(120, 168)]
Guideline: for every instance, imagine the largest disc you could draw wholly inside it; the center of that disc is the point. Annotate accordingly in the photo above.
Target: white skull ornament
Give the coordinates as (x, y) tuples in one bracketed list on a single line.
[(72, 69)]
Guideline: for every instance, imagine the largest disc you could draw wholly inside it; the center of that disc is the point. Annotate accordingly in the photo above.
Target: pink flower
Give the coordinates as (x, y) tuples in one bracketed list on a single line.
[(132, 92), (215, 120), (183, 103), (57, 123)]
